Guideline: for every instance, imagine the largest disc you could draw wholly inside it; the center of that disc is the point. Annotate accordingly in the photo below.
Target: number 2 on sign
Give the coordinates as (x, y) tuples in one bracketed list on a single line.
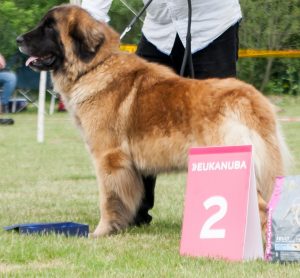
[(206, 231)]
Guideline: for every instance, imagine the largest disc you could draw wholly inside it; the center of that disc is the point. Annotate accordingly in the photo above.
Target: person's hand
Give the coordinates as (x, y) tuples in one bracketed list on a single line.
[(2, 62)]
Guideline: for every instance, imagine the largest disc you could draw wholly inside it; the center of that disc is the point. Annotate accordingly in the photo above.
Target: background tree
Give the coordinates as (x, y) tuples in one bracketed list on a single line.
[(121, 16), (271, 25), (17, 17)]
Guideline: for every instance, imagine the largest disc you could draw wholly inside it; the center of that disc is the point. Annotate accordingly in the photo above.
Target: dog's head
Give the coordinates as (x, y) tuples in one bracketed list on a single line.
[(67, 36)]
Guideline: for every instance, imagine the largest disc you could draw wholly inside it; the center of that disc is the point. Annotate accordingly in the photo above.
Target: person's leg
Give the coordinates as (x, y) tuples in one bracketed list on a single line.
[(219, 58), (8, 80), (150, 53)]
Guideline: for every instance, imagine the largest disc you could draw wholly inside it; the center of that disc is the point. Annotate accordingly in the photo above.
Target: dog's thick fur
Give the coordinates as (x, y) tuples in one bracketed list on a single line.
[(141, 118)]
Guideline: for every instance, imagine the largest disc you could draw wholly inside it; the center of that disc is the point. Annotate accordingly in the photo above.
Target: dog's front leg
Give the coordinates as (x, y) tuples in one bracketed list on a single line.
[(121, 191)]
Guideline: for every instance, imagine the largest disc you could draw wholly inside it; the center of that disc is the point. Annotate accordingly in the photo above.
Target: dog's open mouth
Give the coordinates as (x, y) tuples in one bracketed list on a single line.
[(40, 61)]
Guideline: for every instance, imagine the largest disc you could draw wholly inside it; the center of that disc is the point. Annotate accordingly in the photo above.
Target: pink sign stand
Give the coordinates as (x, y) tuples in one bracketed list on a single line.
[(221, 217)]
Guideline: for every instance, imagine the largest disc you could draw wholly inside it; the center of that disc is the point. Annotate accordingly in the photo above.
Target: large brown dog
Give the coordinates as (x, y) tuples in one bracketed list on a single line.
[(141, 118)]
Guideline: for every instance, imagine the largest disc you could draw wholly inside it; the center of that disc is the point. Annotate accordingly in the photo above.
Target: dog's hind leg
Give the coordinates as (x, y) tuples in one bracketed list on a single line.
[(121, 191)]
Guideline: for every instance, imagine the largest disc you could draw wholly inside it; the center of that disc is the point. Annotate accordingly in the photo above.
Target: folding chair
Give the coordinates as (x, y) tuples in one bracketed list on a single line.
[(28, 86), (27, 81)]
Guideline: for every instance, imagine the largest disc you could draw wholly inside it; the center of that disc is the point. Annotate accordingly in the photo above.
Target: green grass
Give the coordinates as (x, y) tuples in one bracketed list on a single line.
[(55, 181)]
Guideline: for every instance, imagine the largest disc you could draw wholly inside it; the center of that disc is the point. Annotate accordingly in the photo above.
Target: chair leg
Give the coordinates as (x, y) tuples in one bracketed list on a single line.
[(52, 103), (14, 103)]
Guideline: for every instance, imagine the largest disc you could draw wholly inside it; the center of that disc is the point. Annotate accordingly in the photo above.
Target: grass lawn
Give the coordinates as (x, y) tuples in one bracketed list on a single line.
[(55, 181)]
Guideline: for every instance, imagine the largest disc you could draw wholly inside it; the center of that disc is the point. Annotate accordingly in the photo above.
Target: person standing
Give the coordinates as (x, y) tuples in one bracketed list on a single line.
[(214, 47)]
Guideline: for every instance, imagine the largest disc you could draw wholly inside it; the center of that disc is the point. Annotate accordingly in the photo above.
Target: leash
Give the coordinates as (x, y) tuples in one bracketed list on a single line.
[(128, 28), (187, 53)]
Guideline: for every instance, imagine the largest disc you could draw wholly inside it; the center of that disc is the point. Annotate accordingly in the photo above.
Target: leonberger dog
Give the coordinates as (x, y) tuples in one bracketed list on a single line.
[(139, 118)]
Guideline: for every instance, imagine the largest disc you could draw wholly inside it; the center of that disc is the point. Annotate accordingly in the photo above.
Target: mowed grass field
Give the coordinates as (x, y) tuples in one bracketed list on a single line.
[(55, 181)]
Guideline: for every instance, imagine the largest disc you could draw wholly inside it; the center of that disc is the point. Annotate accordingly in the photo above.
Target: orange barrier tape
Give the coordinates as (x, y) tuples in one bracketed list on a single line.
[(128, 47), (243, 53)]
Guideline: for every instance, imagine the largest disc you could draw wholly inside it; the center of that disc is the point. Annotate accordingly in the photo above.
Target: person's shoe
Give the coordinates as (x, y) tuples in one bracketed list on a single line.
[(7, 121)]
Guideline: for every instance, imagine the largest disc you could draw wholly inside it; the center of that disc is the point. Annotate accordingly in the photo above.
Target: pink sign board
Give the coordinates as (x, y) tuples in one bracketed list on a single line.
[(221, 218)]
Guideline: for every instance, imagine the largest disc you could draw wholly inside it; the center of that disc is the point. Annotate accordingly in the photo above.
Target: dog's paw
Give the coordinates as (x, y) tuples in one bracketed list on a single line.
[(103, 229), (94, 235)]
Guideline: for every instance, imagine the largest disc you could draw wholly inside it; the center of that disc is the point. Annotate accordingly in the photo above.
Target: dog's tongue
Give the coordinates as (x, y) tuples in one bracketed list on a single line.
[(30, 60)]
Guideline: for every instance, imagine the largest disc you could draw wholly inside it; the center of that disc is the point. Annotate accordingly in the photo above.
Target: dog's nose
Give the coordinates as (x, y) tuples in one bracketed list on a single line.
[(20, 39)]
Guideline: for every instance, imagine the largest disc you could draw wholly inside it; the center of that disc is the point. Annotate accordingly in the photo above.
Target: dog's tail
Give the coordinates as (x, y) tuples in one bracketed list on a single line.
[(272, 159), (260, 129)]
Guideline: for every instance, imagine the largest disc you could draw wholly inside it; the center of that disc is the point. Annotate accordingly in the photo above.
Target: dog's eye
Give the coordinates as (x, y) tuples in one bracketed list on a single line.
[(48, 24)]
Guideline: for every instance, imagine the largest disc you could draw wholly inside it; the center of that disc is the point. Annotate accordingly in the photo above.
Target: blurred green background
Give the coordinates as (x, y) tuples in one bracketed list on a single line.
[(266, 24)]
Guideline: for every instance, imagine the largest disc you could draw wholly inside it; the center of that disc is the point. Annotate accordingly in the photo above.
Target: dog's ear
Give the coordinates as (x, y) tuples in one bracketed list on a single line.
[(87, 39)]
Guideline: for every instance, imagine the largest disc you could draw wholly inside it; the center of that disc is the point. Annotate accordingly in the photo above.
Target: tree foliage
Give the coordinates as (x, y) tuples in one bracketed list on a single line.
[(266, 24), (17, 17), (121, 16), (274, 25)]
